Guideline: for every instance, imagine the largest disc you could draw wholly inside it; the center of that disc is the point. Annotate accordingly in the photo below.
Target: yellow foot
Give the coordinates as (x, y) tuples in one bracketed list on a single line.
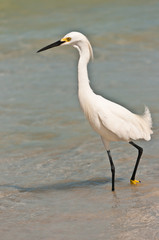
[(134, 181)]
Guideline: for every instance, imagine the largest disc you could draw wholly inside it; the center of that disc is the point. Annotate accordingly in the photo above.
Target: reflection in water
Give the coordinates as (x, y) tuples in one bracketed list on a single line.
[(62, 185)]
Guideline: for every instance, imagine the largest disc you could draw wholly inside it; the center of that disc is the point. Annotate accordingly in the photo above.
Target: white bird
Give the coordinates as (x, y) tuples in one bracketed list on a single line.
[(110, 120)]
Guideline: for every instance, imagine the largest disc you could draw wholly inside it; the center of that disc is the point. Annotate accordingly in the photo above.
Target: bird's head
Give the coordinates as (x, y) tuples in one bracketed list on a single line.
[(76, 39)]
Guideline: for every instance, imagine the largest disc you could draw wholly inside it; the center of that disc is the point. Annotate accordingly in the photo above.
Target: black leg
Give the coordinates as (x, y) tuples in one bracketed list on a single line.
[(140, 151), (112, 170)]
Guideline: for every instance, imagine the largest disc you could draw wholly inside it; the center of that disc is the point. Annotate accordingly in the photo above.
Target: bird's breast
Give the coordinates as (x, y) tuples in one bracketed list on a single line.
[(91, 110)]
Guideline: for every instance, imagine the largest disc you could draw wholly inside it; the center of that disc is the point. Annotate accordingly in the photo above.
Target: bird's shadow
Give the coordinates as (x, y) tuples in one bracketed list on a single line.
[(62, 185)]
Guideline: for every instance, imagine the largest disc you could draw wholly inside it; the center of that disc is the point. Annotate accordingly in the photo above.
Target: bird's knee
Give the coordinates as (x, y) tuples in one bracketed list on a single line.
[(140, 150)]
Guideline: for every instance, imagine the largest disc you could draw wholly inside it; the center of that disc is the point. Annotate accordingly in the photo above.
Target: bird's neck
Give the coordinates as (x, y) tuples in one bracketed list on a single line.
[(83, 80)]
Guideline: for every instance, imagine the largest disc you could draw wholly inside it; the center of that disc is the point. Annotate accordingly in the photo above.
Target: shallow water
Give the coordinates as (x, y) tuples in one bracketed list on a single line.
[(55, 176)]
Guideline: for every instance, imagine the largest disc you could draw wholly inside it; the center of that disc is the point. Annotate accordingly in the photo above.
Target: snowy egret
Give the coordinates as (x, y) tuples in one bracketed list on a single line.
[(110, 120)]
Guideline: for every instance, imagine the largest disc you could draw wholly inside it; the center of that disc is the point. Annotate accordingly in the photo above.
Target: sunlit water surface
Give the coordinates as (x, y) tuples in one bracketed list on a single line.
[(55, 179)]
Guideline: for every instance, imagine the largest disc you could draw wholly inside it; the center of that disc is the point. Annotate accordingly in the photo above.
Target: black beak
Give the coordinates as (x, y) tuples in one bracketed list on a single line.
[(55, 44)]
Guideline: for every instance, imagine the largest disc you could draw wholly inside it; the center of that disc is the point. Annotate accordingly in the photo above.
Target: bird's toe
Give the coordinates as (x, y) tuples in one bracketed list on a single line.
[(134, 181)]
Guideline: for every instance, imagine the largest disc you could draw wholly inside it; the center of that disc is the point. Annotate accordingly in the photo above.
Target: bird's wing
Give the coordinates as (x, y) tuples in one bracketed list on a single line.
[(119, 120)]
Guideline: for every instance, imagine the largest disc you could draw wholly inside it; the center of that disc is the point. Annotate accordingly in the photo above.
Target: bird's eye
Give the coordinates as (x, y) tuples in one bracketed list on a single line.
[(68, 39)]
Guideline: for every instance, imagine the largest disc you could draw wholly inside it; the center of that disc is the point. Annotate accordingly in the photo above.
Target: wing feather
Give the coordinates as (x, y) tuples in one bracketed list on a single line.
[(125, 124)]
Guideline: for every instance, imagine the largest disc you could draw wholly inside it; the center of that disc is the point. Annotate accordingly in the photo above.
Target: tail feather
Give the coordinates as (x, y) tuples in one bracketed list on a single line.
[(147, 124), (147, 117)]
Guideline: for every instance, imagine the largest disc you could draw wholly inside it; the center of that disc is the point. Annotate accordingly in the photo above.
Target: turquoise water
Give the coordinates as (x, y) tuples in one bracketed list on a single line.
[(55, 175)]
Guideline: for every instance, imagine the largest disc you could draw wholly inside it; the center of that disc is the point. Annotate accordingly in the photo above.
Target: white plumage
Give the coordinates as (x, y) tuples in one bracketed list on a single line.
[(110, 120)]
